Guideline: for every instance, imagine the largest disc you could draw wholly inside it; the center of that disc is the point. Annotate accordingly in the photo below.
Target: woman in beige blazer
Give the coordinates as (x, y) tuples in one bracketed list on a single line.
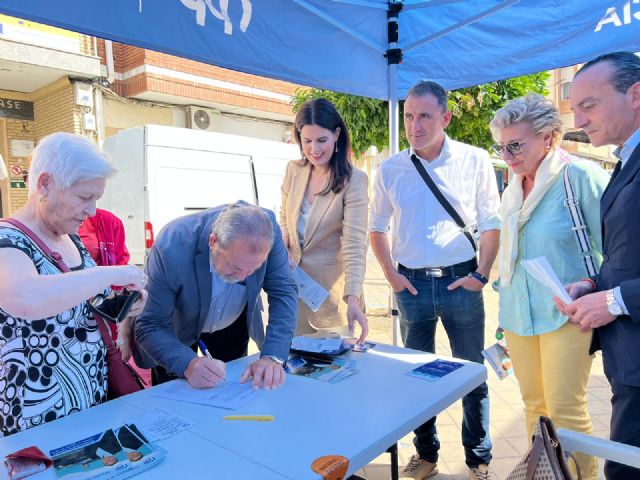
[(324, 219)]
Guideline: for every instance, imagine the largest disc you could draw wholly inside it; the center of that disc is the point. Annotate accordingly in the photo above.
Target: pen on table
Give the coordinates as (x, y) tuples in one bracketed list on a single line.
[(205, 350), (255, 418)]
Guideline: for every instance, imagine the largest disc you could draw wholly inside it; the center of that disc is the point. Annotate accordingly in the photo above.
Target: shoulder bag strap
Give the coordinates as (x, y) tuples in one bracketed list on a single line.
[(580, 232), (54, 257), (442, 199)]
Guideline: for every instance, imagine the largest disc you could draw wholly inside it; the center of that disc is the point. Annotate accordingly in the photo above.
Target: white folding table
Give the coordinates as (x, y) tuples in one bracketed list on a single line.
[(359, 418)]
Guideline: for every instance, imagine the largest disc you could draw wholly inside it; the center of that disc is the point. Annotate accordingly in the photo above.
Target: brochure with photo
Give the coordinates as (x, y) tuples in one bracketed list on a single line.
[(119, 452), (327, 370), (499, 360)]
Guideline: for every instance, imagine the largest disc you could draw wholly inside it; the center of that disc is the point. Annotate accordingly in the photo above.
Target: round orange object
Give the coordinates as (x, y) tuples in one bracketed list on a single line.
[(331, 467)]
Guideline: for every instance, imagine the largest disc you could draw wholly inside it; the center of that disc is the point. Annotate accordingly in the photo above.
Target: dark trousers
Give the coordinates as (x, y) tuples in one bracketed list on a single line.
[(462, 314), (625, 427), (226, 345)]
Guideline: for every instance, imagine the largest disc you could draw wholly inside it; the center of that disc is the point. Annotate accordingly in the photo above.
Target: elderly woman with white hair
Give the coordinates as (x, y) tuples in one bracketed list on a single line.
[(550, 356), (52, 357)]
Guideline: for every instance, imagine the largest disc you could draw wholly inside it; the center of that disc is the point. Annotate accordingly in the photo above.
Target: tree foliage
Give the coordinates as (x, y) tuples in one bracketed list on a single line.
[(366, 118), (472, 108)]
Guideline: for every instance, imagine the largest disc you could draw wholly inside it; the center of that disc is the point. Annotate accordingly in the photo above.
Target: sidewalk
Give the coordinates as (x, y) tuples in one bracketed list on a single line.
[(507, 419)]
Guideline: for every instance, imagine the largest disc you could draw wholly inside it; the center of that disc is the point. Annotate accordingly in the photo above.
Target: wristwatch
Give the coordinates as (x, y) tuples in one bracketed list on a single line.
[(278, 360), (613, 306), (478, 276)]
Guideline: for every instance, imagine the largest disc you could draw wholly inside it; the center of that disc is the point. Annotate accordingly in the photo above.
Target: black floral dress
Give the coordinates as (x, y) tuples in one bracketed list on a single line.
[(51, 367)]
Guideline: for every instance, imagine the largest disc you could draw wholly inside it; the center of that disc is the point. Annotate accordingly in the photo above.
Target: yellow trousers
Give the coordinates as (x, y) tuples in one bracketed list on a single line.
[(552, 370)]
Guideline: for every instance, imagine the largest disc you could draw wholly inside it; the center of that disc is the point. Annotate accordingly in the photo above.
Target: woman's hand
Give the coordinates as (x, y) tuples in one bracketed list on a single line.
[(355, 314), (138, 306), (125, 329), (124, 338), (128, 276)]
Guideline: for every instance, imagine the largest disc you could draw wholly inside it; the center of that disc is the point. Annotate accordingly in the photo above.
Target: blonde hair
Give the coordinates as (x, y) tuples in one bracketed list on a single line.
[(534, 109)]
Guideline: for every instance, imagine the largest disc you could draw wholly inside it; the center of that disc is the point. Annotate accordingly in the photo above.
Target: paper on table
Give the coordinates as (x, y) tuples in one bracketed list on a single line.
[(542, 271), (227, 395), (159, 424), (318, 345), (309, 291)]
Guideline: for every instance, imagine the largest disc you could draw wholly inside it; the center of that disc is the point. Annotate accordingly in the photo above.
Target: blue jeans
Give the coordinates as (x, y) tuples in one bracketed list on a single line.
[(462, 315)]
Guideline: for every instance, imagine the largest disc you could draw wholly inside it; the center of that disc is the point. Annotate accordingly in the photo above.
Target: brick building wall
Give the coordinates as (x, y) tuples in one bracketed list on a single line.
[(55, 110), (128, 58)]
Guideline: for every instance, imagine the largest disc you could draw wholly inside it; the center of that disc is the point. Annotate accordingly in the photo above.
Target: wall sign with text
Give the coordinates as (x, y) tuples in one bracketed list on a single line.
[(20, 109)]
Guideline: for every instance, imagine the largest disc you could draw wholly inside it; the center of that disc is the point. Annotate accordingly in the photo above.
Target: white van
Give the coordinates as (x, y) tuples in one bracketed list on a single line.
[(167, 172)]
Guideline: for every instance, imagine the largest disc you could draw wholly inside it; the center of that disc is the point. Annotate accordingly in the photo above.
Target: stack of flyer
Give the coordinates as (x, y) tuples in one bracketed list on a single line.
[(119, 452), (330, 370)]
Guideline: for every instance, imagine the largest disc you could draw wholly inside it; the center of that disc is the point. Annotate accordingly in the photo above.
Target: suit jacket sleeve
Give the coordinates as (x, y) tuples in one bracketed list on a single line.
[(283, 300), (154, 332), (354, 233)]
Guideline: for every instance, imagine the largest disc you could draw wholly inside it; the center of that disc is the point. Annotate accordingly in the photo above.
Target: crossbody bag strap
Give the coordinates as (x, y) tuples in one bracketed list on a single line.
[(442, 199), (54, 257), (580, 231)]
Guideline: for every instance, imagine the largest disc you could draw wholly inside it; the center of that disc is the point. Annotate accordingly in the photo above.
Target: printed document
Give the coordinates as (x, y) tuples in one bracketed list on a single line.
[(316, 345), (309, 291), (542, 271), (225, 395), (159, 424)]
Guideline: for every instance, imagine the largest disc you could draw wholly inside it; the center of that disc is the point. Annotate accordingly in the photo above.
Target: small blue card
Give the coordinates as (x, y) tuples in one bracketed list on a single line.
[(434, 370)]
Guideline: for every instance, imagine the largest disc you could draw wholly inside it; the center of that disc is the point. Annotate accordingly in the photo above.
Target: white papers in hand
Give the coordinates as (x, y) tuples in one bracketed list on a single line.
[(309, 291), (226, 395), (542, 271)]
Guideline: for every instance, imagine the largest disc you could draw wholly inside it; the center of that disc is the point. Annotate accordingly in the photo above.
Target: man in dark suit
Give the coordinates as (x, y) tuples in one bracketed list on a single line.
[(205, 275), (605, 98)]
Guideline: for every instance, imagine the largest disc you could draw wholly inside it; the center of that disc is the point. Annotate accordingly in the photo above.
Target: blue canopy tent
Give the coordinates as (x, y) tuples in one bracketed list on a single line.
[(374, 48)]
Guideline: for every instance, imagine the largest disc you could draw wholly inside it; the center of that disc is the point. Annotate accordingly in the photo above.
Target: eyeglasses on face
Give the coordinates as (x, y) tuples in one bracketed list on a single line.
[(514, 148)]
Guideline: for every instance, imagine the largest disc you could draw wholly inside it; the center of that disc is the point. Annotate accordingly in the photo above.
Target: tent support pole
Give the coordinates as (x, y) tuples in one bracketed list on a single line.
[(394, 57), (394, 142)]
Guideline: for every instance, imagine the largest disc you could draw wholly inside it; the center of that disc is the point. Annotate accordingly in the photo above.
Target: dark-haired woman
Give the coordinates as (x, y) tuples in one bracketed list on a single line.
[(324, 219)]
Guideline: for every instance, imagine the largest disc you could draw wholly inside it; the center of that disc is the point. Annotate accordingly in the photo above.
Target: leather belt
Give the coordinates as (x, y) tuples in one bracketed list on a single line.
[(458, 270)]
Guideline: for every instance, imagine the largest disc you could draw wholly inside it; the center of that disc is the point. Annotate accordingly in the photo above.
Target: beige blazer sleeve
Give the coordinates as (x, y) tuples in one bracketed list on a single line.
[(354, 233), (282, 219)]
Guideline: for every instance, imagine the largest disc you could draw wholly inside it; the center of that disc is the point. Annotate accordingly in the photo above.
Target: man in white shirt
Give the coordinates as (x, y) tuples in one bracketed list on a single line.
[(437, 274), (605, 98)]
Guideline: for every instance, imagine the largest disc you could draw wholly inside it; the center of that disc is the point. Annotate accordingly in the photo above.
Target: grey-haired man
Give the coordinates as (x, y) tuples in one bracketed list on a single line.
[(205, 272)]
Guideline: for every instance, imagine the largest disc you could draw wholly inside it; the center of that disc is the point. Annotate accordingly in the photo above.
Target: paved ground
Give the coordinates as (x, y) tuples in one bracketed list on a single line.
[(507, 420)]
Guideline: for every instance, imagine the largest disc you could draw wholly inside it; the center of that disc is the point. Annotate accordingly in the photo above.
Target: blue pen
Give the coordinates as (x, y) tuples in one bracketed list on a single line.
[(205, 350)]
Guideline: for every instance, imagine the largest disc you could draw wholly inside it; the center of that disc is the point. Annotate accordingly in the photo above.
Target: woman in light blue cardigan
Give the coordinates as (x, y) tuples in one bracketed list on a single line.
[(550, 356)]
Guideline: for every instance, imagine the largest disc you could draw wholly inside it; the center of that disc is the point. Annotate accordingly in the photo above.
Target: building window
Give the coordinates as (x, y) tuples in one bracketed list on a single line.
[(564, 90)]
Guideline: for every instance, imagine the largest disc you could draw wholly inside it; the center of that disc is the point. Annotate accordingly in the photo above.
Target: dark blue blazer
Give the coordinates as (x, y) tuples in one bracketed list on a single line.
[(620, 218)]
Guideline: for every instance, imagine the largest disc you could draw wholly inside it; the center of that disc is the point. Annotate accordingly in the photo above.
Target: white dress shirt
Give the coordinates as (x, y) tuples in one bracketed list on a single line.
[(423, 234), (227, 303)]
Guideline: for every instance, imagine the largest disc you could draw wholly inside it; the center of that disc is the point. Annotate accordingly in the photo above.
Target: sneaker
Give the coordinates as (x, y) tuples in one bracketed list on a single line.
[(481, 472), (418, 469)]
